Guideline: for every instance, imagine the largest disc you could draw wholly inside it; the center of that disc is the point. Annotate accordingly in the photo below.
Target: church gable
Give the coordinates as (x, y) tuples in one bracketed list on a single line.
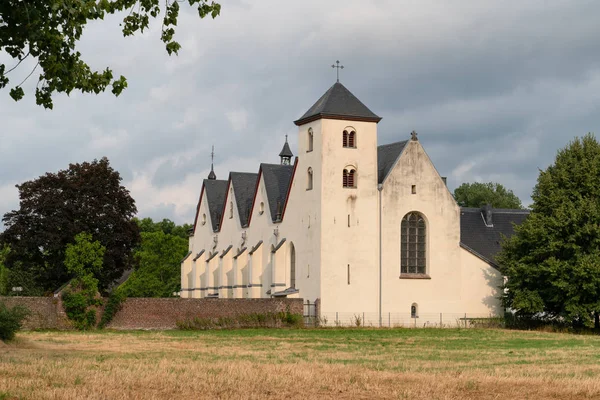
[(244, 184), (387, 156), (212, 196), (277, 180)]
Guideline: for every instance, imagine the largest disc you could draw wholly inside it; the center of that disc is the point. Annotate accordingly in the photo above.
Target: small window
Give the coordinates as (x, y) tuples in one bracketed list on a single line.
[(203, 219), (230, 209), (348, 274), (414, 310), (413, 189), (349, 138), (309, 183), (310, 140), (349, 178), (261, 210)]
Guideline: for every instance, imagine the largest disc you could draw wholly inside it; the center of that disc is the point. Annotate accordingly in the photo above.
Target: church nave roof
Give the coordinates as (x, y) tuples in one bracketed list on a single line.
[(215, 197), (387, 155), (277, 183), (244, 184)]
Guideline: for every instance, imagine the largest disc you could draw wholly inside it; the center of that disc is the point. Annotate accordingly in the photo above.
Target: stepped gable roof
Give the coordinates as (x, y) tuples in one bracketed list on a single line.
[(338, 103), (244, 184), (387, 155), (483, 240), (215, 196), (277, 182)]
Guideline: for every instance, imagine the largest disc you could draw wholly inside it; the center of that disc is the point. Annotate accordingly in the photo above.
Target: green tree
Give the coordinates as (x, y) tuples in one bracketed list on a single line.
[(49, 31), (86, 197), (477, 194), (3, 271), (166, 226), (553, 260), (83, 259), (158, 269)]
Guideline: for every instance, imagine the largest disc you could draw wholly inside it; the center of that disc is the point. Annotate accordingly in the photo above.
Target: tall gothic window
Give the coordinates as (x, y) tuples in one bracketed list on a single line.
[(413, 243), (309, 179), (349, 138), (349, 178), (310, 139)]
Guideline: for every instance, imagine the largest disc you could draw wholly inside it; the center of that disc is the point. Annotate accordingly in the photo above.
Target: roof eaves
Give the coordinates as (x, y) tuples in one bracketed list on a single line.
[(315, 117), (476, 254)]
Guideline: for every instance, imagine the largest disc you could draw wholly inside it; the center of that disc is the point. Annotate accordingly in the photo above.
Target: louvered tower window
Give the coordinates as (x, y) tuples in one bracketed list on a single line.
[(349, 178)]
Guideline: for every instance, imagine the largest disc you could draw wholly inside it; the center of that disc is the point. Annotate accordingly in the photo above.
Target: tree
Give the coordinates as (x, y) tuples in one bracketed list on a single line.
[(49, 31), (477, 194), (159, 266), (86, 197), (553, 260), (166, 226), (83, 259), (3, 271)]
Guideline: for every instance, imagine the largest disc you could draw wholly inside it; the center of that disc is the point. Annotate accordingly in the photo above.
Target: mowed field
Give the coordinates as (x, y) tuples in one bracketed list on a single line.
[(301, 363)]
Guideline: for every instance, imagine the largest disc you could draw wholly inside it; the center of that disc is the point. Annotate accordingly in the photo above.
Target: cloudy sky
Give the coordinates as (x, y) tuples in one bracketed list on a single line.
[(494, 88)]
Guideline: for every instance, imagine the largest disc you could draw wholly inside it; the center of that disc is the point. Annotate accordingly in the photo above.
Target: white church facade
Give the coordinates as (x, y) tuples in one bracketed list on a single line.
[(369, 232)]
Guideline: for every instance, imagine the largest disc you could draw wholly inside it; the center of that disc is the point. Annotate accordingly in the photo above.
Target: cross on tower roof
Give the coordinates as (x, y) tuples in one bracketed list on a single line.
[(212, 175), (413, 135), (337, 67)]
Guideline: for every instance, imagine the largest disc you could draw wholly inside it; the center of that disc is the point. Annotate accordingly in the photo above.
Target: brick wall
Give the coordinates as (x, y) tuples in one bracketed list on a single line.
[(146, 313), (46, 312), (149, 313)]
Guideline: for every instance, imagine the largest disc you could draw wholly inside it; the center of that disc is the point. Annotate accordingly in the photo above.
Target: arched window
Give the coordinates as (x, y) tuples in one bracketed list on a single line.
[(310, 140), (349, 138), (413, 244), (349, 177), (203, 219), (292, 266), (414, 310), (261, 210), (309, 182)]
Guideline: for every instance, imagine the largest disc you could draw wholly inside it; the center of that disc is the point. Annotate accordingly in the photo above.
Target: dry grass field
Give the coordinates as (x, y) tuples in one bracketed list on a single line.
[(295, 364)]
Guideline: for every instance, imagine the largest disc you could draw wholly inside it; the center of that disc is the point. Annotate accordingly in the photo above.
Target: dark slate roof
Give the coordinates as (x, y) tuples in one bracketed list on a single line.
[(277, 182), (338, 103), (244, 185), (286, 151), (484, 241), (387, 155), (215, 196)]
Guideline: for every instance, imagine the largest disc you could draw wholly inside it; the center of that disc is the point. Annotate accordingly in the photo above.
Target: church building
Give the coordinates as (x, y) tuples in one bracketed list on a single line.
[(367, 231)]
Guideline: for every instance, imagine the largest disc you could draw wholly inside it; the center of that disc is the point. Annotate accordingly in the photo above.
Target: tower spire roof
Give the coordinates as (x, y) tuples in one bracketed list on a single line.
[(286, 151), (338, 103), (212, 175)]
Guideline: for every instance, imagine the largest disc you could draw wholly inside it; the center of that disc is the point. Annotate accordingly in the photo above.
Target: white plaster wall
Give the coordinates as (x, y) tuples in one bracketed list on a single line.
[(442, 292), (480, 286), (342, 245)]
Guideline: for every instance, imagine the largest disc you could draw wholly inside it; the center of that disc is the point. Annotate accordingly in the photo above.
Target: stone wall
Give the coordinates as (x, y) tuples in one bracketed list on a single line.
[(46, 312), (146, 313), (151, 313)]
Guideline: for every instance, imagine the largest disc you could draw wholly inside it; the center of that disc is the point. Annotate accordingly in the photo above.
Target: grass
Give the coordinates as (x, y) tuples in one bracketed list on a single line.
[(302, 363)]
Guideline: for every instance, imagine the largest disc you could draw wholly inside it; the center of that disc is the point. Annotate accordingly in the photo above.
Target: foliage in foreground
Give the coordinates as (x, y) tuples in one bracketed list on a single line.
[(86, 197), (112, 307), (255, 320), (83, 259), (158, 260), (553, 260), (11, 320), (477, 194), (48, 31)]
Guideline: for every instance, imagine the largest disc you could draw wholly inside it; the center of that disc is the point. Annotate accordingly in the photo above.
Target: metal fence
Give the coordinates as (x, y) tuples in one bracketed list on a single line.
[(394, 319)]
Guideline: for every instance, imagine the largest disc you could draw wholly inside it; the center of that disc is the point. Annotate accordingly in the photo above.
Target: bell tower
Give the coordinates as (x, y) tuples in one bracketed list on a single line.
[(337, 147)]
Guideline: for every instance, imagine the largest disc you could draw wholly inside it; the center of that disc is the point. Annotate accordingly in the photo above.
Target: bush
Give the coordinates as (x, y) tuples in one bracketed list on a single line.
[(255, 320), (113, 305), (10, 320)]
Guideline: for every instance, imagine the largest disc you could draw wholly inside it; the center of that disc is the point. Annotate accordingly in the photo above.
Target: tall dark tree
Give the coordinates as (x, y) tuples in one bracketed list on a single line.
[(55, 207), (553, 260), (477, 194), (48, 31), (166, 226)]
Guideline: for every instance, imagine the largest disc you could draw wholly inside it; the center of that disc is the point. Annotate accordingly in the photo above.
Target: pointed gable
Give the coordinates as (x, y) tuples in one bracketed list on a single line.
[(215, 197), (338, 103), (387, 155), (244, 185), (277, 180)]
